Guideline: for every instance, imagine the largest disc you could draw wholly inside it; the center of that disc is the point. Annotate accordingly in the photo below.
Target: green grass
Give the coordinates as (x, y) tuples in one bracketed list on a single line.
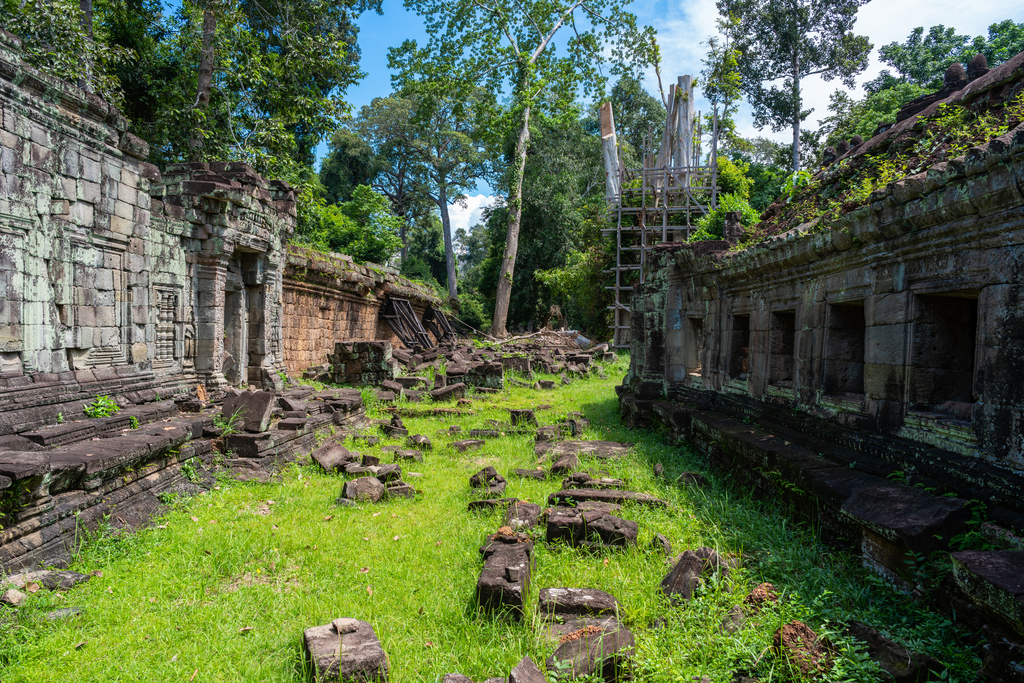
[(174, 599)]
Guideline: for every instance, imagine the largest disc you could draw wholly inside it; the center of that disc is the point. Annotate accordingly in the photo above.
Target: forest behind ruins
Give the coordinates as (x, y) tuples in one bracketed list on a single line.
[(504, 94)]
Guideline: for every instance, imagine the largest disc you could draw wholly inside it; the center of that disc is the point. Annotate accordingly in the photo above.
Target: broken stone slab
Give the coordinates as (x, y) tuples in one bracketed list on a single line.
[(12, 597), (522, 417), (485, 434), (63, 613), (388, 473), (484, 477), (392, 386), (386, 396), (491, 504), (692, 570), (546, 384), (589, 528), (414, 456), (291, 423), (468, 444), (592, 483), (734, 620), (526, 672), (539, 475), (611, 530), (908, 516), (419, 441), (413, 382), (345, 650), (451, 392), (399, 489), (292, 404), (332, 456), (553, 432), (565, 463), (596, 449), (523, 515), (660, 542), (370, 460), (252, 407), (576, 601), (902, 664), (364, 489), (505, 578), (413, 395), (606, 653), (994, 580), (354, 468), (616, 496)]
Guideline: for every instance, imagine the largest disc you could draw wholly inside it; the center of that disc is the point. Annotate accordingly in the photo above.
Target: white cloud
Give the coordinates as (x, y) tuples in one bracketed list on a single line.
[(684, 24), (472, 213)]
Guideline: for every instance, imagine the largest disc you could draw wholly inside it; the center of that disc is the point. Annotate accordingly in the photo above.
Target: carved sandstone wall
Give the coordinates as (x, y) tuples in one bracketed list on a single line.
[(115, 279), (329, 299)]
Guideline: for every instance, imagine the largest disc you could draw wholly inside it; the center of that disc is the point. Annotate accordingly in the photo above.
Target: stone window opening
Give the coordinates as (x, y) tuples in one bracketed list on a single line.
[(942, 358), (782, 349), (844, 351), (695, 347), (739, 347)]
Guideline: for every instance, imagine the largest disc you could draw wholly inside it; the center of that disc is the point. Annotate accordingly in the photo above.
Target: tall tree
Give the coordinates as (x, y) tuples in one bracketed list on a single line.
[(508, 47), (782, 42), (721, 80), (638, 114)]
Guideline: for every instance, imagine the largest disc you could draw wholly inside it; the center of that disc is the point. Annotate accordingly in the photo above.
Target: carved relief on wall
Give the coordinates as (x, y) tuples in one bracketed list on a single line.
[(167, 324)]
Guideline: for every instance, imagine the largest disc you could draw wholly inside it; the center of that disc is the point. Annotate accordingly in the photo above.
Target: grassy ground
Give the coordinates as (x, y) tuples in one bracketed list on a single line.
[(222, 586)]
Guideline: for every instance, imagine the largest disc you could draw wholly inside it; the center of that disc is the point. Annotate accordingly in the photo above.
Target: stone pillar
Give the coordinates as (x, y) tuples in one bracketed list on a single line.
[(209, 282), (733, 230)]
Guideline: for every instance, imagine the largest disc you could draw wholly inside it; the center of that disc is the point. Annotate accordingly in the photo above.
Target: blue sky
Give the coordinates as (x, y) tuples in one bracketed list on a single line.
[(682, 26)]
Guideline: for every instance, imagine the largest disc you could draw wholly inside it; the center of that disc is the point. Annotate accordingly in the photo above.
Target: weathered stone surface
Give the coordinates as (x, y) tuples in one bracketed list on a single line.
[(451, 392), (908, 515), (419, 441), (522, 515), (414, 456), (468, 444), (661, 543), (399, 489), (576, 601), (903, 665), (456, 678), (332, 456), (605, 496), (53, 580), (12, 597), (346, 650), (994, 580), (505, 579), (526, 672), (491, 504), (593, 650), (364, 490), (388, 473), (594, 449), (522, 417), (734, 620), (253, 407), (567, 462), (693, 569)]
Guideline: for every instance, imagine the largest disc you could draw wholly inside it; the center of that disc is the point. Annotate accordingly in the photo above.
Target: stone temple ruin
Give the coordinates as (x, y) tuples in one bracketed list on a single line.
[(868, 371)]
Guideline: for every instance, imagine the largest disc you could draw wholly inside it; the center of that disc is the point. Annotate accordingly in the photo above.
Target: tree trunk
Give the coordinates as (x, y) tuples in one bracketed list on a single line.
[(85, 82), (449, 249), (515, 214), (205, 75), (796, 113)]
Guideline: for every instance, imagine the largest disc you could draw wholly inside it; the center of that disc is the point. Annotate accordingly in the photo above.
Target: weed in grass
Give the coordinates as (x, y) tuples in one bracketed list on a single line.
[(277, 559)]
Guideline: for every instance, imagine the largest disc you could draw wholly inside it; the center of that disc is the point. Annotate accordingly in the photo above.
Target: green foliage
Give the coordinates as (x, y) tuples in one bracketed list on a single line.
[(229, 425), (862, 117), (781, 42), (712, 225), (133, 421), (766, 184), (475, 310), (922, 59), (636, 114), (190, 472), (363, 228), (732, 177), (349, 163), (102, 406), (54, 41), (721, 79), (795, 184)]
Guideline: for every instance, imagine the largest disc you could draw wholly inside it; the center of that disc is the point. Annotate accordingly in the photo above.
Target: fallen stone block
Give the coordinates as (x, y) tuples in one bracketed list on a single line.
[(526, 672), (332, 456), (576, 601), (522, 515), (993, 580), (491, 504), (505, 579), (388, 473), (399, 489), (451, 392), (489, 480), (364, 489), (252, 407), (419, 441), (565, 463), (595, 449), (539, 475), (468, 444), (345, 650), (546, 384), (692, 570), (902, 664), (522, 417), (592, 650), (414, 456), (616, 496)]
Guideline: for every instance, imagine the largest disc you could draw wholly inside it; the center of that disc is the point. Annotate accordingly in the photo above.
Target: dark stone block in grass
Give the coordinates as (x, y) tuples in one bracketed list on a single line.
[(414, 456), (592, 650), (691, 570), (388, 473), (491, 504), (903, 665), (451, 392), (399, 489), (254, 407), (386, 396), (522, 515), (456, 678), (522, 417), (526, 672), (364, 658), (612, 530), (505, 578), (576, 601), (370, 461), (616, 496), (332, 456), (366, 439), (734, 620), (364, 490), (661, 543), (565, 463), (539, 475), (467, 445), (51, 580), (553, 432), (596, 449), (419, 441), (291, 424), (485, 434)]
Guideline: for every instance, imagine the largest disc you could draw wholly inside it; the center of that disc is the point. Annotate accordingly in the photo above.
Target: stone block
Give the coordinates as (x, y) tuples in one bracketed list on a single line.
[(346, 650), (253, 407)]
